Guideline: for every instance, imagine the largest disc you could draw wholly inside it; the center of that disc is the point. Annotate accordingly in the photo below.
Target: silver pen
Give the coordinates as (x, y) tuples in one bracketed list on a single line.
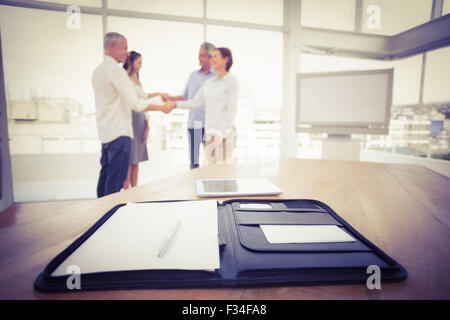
[(168, 240)]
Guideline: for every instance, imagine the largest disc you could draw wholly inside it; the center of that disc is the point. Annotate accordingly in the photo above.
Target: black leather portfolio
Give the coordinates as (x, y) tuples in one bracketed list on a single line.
[(247, 258)]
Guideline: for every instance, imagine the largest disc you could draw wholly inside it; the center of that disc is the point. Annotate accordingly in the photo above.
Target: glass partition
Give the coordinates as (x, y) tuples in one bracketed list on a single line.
[(87, 3), (413, 126), (190, 8), (269, 12), (48, 64)]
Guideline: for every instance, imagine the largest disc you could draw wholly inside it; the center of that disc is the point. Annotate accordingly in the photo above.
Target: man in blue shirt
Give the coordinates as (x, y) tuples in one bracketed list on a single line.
[(196, 122)]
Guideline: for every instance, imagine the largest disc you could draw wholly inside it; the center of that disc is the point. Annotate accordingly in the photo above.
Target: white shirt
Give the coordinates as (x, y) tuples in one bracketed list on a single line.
[(115, 97), (143, 95), (220, 99)]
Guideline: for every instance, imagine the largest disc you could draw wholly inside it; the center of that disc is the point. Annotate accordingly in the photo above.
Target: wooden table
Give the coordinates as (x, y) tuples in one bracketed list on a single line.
[(403, 209)]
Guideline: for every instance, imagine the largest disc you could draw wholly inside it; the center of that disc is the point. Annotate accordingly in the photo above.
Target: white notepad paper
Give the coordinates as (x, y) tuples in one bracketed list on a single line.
[(132, 237), (305, 234)]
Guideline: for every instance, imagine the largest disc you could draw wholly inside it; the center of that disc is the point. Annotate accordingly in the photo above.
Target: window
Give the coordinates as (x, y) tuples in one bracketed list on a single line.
[(329, 14), (407, 72), (190, 8), (87, 3), (446, 7), (50, 102), (63, 70), (407, 132), (250, 11), (389, 17), (168, 57), (437, 76), (435, 112)]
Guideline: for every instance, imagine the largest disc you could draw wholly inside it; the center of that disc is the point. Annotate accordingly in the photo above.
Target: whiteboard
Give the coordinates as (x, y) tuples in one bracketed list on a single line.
[(345, 102)]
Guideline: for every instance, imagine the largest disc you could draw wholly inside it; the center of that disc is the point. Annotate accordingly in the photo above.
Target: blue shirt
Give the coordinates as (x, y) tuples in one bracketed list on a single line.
[(195, 82)]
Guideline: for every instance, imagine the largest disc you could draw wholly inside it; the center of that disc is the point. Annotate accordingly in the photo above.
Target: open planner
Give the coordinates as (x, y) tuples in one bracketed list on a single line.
[(242, 242)]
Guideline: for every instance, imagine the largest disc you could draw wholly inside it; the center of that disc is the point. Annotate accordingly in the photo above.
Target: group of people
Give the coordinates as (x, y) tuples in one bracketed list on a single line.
[(211, 95)]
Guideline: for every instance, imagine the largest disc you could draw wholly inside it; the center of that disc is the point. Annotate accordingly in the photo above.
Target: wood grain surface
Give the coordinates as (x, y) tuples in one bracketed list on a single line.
[(403, 209)]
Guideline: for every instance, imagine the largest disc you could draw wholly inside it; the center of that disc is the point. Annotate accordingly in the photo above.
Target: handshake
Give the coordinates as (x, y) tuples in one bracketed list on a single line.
[(165, 96), (168, 106)]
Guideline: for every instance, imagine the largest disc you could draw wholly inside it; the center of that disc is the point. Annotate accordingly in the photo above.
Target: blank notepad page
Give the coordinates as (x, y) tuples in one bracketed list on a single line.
[(132, 237)]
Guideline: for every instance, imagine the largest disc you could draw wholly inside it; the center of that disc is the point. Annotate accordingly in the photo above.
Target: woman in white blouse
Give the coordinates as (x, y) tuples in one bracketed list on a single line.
[(219, 94), (138, 150)]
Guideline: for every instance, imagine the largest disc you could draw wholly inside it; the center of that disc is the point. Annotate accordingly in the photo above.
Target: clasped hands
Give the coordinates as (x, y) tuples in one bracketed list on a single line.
[(168, 106), (165, 97)]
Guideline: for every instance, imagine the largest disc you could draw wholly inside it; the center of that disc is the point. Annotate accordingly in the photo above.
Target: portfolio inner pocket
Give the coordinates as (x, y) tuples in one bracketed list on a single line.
[(295, 206), (252, 237), (262, 217)]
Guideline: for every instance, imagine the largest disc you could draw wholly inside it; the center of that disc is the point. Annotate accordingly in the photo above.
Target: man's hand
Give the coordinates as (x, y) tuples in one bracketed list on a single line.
[(165, 97), (168, 106)]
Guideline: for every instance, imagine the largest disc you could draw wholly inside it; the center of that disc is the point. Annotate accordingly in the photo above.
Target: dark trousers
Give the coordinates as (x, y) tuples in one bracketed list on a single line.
[(114, 161), (196, 136)]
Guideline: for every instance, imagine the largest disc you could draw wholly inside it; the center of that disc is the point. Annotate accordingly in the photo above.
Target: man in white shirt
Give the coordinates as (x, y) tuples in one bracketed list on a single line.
[(115, 97)]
